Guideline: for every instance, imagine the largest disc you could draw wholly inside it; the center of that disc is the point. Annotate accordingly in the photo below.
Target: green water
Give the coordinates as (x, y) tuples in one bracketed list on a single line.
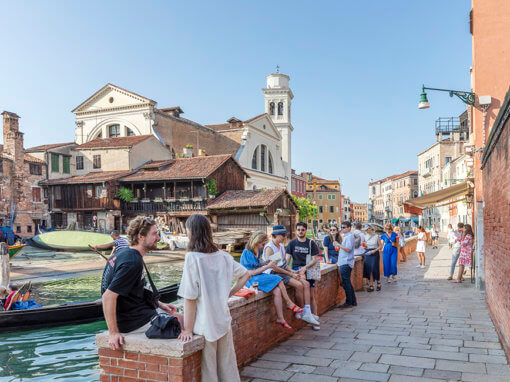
[(66, 353)]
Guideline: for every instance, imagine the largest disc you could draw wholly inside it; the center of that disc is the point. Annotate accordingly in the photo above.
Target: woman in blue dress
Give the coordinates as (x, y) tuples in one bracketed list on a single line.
[(390, 253), (269, 283)]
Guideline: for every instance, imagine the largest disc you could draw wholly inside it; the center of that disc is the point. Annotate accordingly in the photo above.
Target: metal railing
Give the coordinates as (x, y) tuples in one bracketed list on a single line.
[(164, 205)]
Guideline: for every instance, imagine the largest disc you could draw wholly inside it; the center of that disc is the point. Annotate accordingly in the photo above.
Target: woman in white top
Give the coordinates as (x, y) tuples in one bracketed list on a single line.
[(206, 286), (420, 247), (371, 264), (450, 235)]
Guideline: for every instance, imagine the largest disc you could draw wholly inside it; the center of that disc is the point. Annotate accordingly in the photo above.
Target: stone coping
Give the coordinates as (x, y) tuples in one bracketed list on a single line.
[(138, 342)]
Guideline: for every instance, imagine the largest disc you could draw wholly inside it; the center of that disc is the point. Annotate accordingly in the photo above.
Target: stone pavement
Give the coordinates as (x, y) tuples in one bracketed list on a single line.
[(422, 328)]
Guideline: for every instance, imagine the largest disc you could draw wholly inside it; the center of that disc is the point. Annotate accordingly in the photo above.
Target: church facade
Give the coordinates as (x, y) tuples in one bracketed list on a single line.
[(262, 144)]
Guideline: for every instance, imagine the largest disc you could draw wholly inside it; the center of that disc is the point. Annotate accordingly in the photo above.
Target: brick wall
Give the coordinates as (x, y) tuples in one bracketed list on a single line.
[(496, 195)]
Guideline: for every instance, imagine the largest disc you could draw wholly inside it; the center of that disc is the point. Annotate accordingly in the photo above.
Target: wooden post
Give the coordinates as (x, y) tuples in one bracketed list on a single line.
[(6, 269)]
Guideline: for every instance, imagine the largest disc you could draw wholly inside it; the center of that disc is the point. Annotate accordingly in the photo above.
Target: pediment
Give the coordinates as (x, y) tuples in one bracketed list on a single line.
[(264, 124), (111, 97)]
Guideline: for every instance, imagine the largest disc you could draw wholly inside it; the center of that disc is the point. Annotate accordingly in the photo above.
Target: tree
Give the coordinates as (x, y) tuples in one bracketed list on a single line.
[(307, 210)]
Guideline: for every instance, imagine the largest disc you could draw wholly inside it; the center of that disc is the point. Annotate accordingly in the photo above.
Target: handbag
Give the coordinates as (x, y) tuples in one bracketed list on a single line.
[(313, 273), (164, 326)]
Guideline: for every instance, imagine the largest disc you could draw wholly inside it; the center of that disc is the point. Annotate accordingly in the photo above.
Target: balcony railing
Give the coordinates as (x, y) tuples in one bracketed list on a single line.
[(168, 205)]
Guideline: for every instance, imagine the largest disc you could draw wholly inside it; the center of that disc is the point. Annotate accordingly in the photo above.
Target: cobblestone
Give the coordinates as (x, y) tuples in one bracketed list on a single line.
[(422, 328)]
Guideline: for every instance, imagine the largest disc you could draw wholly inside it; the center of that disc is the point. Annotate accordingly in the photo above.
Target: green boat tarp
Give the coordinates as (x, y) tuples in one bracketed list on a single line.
[(69, 240)]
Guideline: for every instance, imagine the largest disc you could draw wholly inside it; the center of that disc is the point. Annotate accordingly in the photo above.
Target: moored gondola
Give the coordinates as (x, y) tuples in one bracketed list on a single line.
[(64, 314)]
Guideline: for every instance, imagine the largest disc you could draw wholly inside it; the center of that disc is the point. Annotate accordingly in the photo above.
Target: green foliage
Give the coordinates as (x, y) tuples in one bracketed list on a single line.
[(211, 187), (307, 210), (189, 146), (125, 194)]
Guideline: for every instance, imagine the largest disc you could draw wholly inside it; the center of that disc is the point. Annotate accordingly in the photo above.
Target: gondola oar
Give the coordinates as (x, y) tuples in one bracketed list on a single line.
[(99, 253)]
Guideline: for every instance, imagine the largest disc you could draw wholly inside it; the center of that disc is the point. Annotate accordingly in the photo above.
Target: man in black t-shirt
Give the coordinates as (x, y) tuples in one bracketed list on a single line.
[(126, 303), (298, 249)]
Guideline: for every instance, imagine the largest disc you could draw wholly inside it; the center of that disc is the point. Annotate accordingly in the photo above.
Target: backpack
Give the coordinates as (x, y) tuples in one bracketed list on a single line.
[(357, 240)]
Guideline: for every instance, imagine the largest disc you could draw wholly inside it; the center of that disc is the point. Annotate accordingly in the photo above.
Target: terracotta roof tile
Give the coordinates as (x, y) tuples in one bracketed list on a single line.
[(227, 126), (28, 158), (49, 146), (182, 168), (91, 177), (396, 176), (246, 198), (113, 142)]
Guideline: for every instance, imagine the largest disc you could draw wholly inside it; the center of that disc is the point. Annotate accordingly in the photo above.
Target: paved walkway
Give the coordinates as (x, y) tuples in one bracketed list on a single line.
[(422, 328)]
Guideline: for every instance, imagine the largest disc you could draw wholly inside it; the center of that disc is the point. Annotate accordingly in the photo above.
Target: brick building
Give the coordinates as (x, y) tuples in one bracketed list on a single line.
[(21, 196), (298, 185), (360, 212)]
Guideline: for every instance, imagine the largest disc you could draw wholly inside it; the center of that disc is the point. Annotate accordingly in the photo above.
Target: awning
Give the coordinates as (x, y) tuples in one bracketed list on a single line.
[(416, 220), (449, 195), (394, 221)]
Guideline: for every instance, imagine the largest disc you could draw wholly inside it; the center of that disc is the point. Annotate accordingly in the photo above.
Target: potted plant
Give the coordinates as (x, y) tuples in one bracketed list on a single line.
[(212, 190), (146, 200), (125, 194), (158, 200)]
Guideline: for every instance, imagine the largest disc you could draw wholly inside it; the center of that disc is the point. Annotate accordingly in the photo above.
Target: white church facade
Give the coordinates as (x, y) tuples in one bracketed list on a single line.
[(262, 144)]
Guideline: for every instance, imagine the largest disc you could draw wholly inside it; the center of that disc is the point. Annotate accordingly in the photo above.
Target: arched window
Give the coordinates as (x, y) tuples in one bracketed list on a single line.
[(114, 131), (270, 163), (415, 194), (280, 108), (263, 150), (271, 108), (254, 159), (129, 132)]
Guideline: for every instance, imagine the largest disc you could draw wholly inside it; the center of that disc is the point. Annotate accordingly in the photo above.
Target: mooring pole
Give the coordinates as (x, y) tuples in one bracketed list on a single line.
[(6, 269)]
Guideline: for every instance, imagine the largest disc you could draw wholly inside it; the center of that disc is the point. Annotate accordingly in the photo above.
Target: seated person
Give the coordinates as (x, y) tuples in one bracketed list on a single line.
[(4, 292), (293, 279), (127, 304), (117, 243), (12, 289), (250, 259)]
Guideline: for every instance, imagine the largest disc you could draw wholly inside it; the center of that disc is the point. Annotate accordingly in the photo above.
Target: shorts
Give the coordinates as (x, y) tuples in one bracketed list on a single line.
[(311, 282), (285, 278)]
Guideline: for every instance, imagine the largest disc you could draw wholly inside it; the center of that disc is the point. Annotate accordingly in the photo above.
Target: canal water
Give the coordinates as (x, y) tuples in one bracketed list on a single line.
[(66, 353)]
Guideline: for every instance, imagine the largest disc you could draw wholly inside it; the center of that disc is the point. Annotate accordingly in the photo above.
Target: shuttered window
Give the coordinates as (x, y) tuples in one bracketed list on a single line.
[(55, 167), (66, 165)]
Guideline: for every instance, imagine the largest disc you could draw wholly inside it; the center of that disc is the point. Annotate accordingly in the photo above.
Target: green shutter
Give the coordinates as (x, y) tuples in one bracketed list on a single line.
[(54, 163), (66, 165)]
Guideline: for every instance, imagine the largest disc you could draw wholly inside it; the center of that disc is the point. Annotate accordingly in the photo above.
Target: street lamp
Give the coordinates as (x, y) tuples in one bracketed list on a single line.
[(467, 97)]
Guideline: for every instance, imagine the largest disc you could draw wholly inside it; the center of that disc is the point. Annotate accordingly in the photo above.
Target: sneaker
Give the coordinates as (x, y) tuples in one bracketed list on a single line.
[(418, 266), (316, 328), (422, 266), (298, 315), (345, 306), (316, 317), (309, 318)]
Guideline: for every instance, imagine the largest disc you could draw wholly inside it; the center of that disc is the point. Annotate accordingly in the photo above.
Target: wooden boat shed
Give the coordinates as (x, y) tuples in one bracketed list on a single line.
[(254, 209)]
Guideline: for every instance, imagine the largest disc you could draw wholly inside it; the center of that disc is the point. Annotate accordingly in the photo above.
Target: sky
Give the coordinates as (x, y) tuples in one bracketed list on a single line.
[(356, 70)]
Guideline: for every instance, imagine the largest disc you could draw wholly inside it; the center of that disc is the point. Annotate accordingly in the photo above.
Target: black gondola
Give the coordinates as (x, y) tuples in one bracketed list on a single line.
[(64, 314)]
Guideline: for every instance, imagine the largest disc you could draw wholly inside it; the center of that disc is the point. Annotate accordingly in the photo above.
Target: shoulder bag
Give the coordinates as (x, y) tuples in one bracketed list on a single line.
[(313, 273)]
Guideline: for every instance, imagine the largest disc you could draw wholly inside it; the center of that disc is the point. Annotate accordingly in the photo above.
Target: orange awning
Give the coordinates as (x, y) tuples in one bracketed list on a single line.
[(449, 195)]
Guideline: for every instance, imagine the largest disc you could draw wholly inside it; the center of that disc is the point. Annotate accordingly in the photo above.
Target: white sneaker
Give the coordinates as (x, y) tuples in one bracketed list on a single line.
[(316, 317), (309, 318), (422, 266), (418, 266), (299, 315), (316, 328)]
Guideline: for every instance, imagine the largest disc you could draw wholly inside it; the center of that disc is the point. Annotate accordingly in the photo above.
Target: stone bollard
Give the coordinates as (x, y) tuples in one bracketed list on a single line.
[(6, 268)]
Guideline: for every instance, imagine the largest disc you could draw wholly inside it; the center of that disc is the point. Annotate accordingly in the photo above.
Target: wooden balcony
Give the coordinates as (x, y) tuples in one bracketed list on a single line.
[(164, 206)]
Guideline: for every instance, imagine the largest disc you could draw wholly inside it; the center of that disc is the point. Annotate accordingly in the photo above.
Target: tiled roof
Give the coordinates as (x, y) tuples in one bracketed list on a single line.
[(49, 147), (393, 177), (247, 198), (113, 142), (28, 158), (227, 126), (91, 177), (182, 168)]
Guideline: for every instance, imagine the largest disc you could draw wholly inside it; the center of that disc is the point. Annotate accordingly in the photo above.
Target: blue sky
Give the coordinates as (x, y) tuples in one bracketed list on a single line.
[(356, 69)]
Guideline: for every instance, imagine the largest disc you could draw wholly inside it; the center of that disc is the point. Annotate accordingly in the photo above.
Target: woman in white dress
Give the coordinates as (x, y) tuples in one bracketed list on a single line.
[(420, 247)]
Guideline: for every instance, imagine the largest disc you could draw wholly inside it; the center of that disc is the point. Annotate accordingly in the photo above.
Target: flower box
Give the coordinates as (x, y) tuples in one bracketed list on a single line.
[(145, 200), (199, 199), (158, 200), (171, 200), (133, 201), (184, 199)]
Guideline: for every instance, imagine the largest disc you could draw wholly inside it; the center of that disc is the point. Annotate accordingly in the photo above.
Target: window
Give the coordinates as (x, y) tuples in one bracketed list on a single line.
[(29, 229), (57, 193), (280, 108), (1, 165), (90, 191), (320, 209), (35, 169), (96, 161), (66, 165), (271, 108), (79, 162), (331, 209), (55, 162), (100, 135), (18, 229), (269, 162), (263, 150), (320, 197), (100, 192), (415, 182), (114, 131), (36, 194), (447, 160), (129, 132), (254, 159)]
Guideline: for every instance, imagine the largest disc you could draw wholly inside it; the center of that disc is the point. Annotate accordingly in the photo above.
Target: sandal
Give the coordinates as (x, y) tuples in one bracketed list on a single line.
[(450, 278), (378, 287), (284, 324), (296, 309), (370, 288)]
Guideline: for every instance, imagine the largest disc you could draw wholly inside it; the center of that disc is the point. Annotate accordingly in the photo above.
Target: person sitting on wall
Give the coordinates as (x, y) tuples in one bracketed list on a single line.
[(117, 243), (127, 305)]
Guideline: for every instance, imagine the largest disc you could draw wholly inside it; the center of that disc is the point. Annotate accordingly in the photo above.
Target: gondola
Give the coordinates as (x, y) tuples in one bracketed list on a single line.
[(64, 314)]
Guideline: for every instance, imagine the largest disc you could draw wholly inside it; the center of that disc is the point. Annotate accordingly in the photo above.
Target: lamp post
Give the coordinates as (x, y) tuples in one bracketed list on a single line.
[(467, 97)]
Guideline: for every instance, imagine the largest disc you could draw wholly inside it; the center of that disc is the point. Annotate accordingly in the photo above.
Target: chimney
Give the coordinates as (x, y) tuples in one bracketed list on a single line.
[(174, 111), (13, 139), (235, 123)]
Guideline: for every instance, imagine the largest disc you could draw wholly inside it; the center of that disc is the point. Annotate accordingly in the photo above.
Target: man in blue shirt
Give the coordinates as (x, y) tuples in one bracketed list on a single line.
[(346, 264)]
